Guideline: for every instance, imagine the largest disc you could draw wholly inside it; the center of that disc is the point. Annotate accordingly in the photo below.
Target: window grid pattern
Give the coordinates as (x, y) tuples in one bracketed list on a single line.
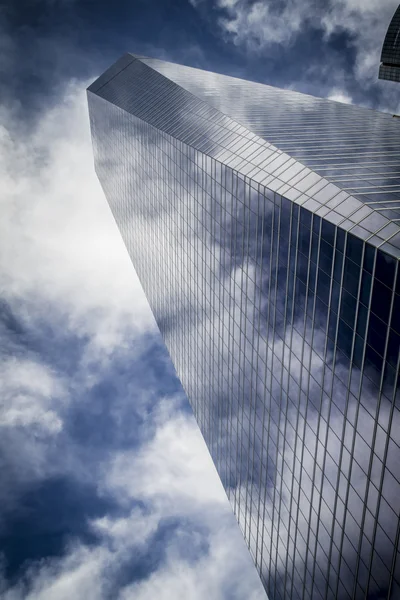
[(392, 73), (284, 330), (320, 185), (355, 149), (390, 57)]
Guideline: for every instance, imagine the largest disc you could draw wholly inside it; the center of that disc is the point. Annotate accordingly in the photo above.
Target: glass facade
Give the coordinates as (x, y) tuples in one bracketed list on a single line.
[(275, 284), (390, 57)]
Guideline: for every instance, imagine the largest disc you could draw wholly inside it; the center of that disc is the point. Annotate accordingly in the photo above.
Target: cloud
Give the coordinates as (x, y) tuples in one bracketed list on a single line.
[(27, 390), (340, 96), (139, 509), (57, 237), (170, 469), (366, 24), (78, 575), (70, 299), (258, 27), (33, 399), (105, 480), (175, 534)]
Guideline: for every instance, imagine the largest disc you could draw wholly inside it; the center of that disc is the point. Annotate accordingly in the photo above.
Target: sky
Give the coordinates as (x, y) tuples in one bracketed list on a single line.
[(106, 487)]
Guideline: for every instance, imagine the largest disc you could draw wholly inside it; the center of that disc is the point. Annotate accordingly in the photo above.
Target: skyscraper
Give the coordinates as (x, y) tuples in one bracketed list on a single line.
[(264, 227), (390, 57)]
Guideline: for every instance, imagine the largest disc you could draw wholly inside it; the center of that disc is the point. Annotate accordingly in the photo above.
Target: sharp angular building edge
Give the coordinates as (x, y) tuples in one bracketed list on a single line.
[(264, 227)]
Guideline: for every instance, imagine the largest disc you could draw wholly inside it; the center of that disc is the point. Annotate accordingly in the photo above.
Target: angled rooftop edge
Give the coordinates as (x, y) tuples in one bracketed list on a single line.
[(339, 161)]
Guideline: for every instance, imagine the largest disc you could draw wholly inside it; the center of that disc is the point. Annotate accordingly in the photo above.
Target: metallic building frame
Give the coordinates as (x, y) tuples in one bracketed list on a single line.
[(390, 57), (264, 227)]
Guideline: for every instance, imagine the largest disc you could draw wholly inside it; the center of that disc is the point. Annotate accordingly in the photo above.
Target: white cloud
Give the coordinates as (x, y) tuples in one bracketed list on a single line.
[(340, 96), (62, 264), (171, 476), (79, 575), (202, 580), (32, 401), (61, 254), (174, 477), (69, 256), (29, 392), (90, 573), (57, 237), (258, 25), (367, 22), (172, 470), (255, 25)]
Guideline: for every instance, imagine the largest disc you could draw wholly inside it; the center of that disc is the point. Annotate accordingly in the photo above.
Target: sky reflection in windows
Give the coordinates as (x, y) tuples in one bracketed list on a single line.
[(283, 326)]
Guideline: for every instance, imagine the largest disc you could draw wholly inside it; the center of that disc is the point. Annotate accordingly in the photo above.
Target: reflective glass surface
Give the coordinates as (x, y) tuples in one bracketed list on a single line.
[(356, 149), (283, 326), (390, 57)]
